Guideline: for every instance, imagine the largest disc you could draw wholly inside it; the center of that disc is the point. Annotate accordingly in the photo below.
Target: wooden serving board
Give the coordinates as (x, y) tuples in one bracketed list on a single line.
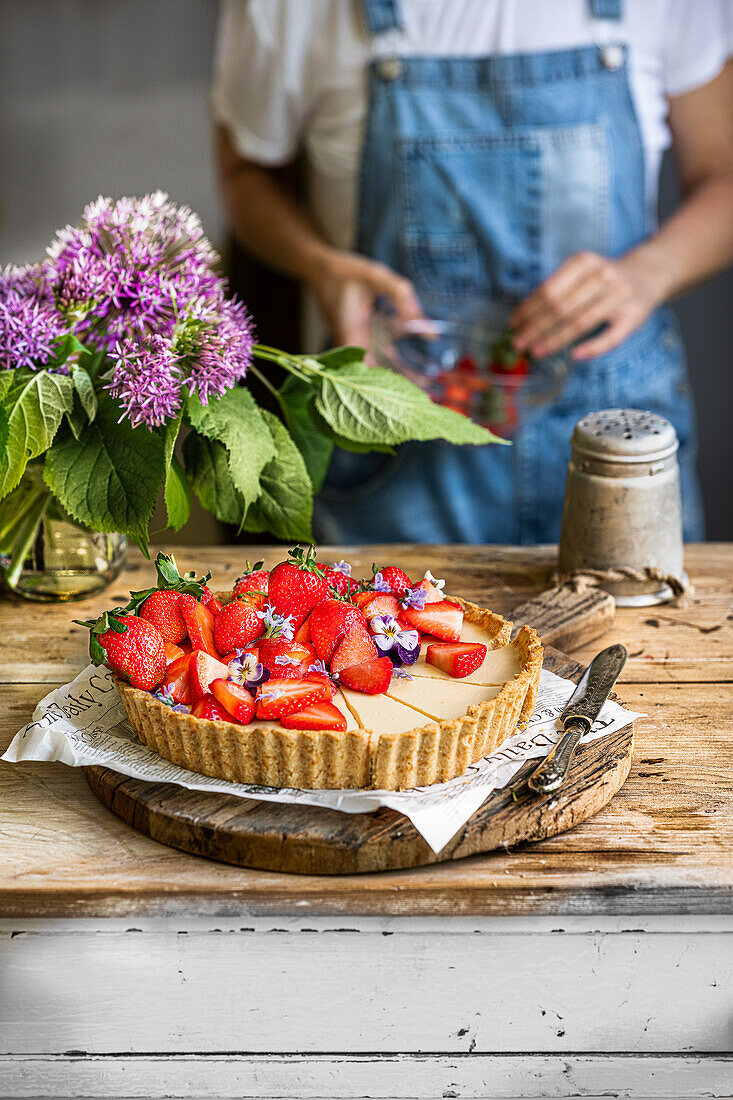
[(310, 840)]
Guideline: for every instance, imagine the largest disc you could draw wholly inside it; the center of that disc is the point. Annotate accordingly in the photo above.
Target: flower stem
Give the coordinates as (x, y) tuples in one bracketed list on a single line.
[(265, 381)]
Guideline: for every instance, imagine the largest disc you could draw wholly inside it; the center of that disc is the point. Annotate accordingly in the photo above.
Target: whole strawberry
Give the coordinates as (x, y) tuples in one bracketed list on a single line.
[(236, 626), (163, 610), (162, 605), (297, 585), (338, 577), (396, 580), (130, 646), (254, 579)]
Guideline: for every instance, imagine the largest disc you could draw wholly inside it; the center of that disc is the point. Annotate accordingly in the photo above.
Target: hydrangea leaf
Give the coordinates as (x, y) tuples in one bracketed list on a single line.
[(177, 492), (34, 403), (109, 478), (235, 420), (207, 467), (306, 428), (371, 405), (85, 389), (285, 505)]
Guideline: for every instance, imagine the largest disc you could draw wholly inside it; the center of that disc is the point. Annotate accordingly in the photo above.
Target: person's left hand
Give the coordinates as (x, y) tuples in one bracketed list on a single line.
[(586, 291)]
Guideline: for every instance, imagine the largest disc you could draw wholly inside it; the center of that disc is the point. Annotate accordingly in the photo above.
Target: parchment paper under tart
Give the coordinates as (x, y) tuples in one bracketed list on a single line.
[(271, 756)]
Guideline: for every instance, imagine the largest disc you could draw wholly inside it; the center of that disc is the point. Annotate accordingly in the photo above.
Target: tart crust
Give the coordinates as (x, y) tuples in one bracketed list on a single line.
[(272, 756)]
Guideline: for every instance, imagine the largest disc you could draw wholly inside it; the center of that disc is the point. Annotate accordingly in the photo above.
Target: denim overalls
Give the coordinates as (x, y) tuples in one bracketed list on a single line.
[(479, 176)]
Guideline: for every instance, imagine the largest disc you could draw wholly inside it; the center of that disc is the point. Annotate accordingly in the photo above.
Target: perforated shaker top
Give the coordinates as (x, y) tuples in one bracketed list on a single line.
[(625, 435)]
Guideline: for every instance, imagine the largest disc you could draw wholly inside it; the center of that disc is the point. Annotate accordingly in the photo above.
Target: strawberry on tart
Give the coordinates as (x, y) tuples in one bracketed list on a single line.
[(304, 677)]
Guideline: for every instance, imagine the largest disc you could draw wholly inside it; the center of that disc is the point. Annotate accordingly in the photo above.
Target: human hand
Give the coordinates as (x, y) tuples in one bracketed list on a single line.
[(586, 291), (347, 286)]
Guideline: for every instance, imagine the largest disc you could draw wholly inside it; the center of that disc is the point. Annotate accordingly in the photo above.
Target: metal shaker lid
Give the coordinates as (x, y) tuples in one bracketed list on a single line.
[(625, 435)]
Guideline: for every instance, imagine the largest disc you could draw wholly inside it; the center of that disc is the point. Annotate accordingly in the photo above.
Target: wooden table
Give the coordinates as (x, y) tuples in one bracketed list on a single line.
[(600, 961)]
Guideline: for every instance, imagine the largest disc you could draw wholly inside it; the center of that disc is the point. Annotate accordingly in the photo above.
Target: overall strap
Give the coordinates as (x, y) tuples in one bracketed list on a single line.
[(605, 9), (382, 16)]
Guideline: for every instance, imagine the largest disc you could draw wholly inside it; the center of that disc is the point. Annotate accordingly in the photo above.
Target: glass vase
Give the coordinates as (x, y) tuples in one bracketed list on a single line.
[(45, 554)]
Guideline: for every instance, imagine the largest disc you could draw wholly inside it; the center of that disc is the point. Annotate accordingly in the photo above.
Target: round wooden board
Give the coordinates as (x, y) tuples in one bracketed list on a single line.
[(314, 841)]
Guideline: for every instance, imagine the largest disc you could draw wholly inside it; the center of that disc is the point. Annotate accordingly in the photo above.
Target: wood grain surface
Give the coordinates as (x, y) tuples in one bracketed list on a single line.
[(663, 845)]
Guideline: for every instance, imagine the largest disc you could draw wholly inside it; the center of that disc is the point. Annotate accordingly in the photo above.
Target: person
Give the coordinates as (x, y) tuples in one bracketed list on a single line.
[(497, 149)]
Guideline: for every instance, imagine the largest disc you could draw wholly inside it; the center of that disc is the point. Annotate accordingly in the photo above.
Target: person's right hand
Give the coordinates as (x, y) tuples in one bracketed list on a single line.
[(347, 286)]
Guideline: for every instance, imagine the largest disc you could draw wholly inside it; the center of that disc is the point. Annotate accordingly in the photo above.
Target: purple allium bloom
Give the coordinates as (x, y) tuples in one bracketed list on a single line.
[(245, 669), (146, 381), (402, 646), (30, 325), (224, 352), (415, 598), (276, 626), (379, 584), (342, 567)]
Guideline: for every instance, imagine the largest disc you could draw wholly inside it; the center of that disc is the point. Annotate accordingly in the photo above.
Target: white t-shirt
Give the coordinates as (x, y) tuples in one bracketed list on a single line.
[(291, 73)]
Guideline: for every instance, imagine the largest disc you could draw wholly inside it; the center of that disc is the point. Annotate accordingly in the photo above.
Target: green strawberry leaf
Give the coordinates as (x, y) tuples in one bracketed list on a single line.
[(306, 427), (177, 492), (207, 467), (109, 478), (371, 405), (235, 420), (285, 505), (85, 390), (33, 403)]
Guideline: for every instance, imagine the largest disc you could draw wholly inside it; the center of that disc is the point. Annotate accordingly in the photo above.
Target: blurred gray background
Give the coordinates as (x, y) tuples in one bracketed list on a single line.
[(109, 97)]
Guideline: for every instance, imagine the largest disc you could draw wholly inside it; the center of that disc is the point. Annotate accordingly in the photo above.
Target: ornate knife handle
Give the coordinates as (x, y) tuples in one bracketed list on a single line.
[(552, 771)]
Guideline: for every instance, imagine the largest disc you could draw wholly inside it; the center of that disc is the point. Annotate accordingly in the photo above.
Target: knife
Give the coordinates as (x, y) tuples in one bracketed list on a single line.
[(578, 716)]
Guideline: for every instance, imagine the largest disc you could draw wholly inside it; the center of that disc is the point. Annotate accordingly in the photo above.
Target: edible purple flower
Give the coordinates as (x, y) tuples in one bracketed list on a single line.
[(401, 674), (285, 659), (401, 646), (414, 598), (271, 693), (164, 696), (276, 626), (245, 669), (379, 584), (342, 567)]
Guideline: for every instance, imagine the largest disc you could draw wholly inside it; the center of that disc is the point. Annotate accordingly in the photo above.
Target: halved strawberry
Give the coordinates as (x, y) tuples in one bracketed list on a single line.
[(443, 620), (321, 716), (342, 582), (458, 659), (204, 668), (185, 645), (434, 595), (254, 649), (397, 579), (210, 708), (303, 633), (199, 624), (177, 680), (356, 648), (372, 677), (322, 678), (360, 598), (330, 620), (172, 652), (381, 603), (276, 698), (236, 700), (236, 626), (286, 658), (404, 625)]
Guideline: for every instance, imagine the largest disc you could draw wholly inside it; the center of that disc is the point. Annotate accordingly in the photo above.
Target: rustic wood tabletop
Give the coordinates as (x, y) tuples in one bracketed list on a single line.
[(664, 845)]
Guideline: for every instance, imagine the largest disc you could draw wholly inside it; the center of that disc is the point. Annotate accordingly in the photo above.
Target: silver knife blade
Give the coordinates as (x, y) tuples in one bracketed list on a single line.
[(578, 716)]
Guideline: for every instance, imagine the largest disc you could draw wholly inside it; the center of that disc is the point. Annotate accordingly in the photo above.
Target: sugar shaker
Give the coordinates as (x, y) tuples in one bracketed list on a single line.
[(622, 511)]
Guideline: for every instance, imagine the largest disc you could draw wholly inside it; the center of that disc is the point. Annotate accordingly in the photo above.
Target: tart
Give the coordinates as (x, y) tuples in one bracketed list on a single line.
[(425, 730)]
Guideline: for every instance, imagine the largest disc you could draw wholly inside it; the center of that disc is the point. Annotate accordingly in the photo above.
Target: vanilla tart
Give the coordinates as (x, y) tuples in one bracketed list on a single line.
[(424, 730)]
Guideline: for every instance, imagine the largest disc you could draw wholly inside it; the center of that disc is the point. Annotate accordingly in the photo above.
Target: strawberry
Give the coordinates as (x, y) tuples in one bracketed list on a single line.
[(130, 646), (329, 622), (277, 698), (381, 603), (177, 682), (206, 595), (303, 633), (254, 579), (297, 585), (236, 626), (362, 598), (214, 606), (185, 646), (199, 624), (253, 649), (323, 678), (342, 582), (443, 620), (404, 625), (162, 609), (172, 652), (434, 595), (285, 658), (372, 677), (321, 716), (458, 659), (209, 708), (202, 669), (257, 600), (236, 700), (397, 580), (356, 648)]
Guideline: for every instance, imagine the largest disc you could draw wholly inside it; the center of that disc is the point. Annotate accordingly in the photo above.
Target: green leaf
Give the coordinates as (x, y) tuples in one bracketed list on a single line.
[(285, 505), (341, 357), (85, 389), (207, 466), (34, 403), (177, 492), (235, 420), (110, 477), (371, 405), (306, 428)]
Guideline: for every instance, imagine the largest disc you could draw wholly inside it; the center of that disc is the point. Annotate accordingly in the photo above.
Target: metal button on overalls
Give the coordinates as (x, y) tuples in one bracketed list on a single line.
[(389, 68)]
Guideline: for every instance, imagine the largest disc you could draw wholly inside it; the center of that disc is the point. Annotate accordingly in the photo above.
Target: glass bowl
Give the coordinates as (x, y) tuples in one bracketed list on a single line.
[(463, 357)]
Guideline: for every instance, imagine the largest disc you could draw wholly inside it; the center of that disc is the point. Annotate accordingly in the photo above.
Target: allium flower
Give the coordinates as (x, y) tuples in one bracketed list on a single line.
[(415, 598), (276, 626), (146, 380), (245, 669), (30, 324), (224, 353), (402, 646)]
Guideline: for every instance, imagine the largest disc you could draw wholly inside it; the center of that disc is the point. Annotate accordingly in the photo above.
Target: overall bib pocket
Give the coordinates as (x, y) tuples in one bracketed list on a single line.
[(455, 190)]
